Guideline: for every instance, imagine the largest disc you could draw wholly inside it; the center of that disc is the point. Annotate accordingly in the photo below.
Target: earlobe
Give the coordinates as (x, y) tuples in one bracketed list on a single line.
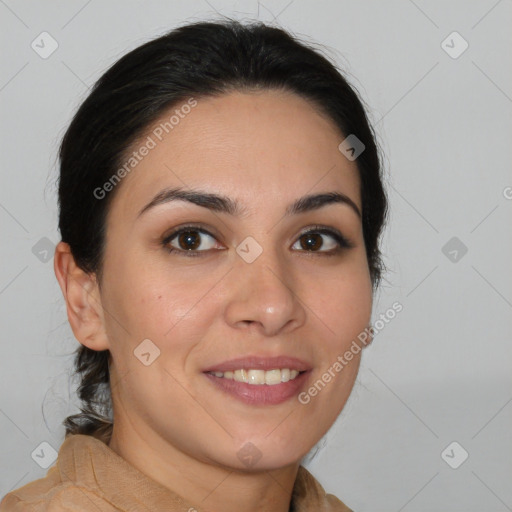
[(83, 301)]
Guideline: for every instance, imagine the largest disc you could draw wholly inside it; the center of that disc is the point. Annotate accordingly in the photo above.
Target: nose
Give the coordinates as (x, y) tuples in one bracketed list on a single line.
[(262, 296)]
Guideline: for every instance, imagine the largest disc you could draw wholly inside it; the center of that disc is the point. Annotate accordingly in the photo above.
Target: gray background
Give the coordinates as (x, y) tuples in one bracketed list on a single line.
[(440, 370)]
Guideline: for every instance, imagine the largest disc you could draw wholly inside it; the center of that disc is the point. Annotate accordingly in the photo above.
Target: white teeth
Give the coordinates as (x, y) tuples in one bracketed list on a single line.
[(259, 377), (240, 376), (272, 377), (256, 377)]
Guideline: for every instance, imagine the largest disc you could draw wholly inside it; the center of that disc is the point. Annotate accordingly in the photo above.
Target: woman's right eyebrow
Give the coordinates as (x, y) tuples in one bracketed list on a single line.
[(224, 204)]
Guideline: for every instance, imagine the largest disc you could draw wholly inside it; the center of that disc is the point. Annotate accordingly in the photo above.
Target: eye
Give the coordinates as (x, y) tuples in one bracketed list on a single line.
[(197, 241), (323, 240), (189, 240)]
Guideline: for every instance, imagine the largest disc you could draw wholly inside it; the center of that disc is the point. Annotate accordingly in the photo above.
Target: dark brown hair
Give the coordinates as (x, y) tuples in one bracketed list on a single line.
[(200, 60)]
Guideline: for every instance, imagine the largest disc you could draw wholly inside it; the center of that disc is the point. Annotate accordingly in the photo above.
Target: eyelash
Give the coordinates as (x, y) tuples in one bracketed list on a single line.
[(342, 241)]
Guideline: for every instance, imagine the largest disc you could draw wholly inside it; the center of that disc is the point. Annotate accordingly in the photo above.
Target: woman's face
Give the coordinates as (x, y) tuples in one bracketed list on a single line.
[(244, 285)]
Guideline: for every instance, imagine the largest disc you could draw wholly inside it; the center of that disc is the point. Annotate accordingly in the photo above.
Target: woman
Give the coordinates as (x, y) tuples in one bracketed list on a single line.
[(220, 210)]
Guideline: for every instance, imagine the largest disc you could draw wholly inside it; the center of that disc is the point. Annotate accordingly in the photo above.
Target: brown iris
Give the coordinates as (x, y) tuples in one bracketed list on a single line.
[(189, 240), (313, 241)]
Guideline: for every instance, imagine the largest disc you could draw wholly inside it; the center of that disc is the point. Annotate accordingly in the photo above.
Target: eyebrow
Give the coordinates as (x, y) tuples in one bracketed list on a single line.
[(227, 205)]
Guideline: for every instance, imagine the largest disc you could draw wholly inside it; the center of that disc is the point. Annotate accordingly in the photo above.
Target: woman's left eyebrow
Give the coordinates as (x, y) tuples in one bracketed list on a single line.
[(227, 205)]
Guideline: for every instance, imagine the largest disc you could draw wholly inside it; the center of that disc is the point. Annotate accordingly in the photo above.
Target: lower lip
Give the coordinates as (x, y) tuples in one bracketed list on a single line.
[(262, 394)]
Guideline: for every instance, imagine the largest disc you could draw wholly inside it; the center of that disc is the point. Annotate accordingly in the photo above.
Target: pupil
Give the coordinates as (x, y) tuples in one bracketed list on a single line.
[(189, 240)]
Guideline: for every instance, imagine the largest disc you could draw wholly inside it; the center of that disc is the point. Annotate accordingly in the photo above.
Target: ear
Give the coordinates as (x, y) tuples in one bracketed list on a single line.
[(83, 300)]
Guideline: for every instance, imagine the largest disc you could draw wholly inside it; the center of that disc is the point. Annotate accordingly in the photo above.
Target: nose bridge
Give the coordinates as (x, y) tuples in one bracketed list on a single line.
[(262, 290)]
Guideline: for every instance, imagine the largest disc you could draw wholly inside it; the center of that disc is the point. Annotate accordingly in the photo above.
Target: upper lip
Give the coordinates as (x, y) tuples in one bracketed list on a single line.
[(259, 363)]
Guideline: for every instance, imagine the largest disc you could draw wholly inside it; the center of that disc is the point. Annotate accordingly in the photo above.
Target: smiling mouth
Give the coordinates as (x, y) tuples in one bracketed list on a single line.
[(259, 377), (258, 387)]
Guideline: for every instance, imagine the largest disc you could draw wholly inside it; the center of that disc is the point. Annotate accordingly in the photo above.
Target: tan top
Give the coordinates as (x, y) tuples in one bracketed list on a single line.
[(89, 476)]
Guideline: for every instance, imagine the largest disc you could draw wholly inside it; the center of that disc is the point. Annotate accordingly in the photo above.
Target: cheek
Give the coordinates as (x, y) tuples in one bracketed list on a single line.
[(342, 303), (162, 305), (343, 308)]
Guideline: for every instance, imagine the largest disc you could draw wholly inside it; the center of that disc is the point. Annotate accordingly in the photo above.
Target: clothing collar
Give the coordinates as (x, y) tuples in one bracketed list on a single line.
[(91, 463)]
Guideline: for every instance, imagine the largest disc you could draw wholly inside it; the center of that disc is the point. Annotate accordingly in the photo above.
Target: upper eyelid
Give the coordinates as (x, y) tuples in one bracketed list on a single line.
[(188, 227)]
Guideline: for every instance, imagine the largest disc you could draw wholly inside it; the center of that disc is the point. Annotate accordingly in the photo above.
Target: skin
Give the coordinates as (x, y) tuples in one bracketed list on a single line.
[(265, 150)]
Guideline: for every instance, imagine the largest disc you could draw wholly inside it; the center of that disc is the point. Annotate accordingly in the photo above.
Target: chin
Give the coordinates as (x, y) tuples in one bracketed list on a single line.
[(267, 452)]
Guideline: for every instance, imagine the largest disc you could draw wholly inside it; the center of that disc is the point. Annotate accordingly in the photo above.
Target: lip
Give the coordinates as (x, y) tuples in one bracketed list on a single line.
[(260, 394), (260, 363)]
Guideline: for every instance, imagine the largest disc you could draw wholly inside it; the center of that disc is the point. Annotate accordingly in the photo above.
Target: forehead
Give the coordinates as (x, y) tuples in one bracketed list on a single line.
[(259, 147)]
